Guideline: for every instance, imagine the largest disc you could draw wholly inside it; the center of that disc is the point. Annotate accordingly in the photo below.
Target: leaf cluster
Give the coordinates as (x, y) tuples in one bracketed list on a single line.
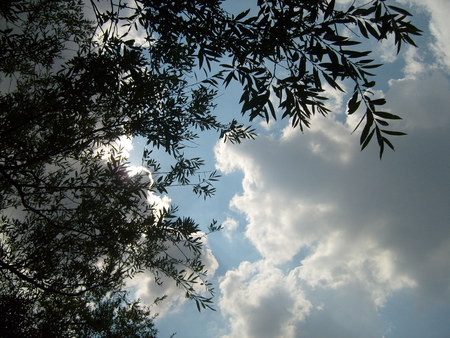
[(291, 51)]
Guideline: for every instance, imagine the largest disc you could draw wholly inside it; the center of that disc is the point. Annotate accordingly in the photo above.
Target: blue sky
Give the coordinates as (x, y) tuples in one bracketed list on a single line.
[(320, 239)]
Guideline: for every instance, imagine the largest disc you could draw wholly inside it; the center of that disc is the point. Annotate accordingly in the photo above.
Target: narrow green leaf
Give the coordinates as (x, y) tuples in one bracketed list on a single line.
[(372, 31), (378, 102), (386, 115), (346, 43), (388, 143), (380, 140), (362, 29), (381, 150), (354, 98), (329, 10), (242, 15), (367, 141), (365, 132), (408, 39), (317, 78), (372, 66), (400, 10), (302, 67), (272, 109), (332, 82), (382, 122), (228, 79), (394, 133), (354, 107)]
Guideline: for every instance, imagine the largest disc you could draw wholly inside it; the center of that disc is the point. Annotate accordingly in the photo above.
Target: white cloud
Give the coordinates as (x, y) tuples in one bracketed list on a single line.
[(387, 49), (333, 264), (229, 226), (414, 64), (260, 301), (371, 226), (439, 26)]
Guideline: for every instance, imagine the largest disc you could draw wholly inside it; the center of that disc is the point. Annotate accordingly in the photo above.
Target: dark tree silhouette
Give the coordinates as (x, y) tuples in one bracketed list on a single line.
[(77, 76)]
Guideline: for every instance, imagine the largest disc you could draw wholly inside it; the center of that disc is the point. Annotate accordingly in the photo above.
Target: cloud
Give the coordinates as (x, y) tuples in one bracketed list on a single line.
[(439, 26), (414, 63), (422, 101), (260, 301), (343, 220), (143, 285), (229, 226), (387, 49)]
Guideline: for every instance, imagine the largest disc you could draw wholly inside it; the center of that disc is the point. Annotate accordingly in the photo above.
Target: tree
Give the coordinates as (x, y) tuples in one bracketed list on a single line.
[(75, 222)]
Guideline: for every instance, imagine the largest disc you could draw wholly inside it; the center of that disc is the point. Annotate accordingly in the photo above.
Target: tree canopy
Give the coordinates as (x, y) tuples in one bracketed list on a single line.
[(77, 76)]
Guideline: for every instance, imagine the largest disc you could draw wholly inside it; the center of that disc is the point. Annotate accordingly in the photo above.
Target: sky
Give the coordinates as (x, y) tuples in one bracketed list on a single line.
[(321, 239)]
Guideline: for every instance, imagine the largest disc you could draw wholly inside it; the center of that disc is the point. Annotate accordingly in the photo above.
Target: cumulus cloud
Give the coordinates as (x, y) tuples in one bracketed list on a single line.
[(414, 63), (387, 50), (342, 220), (261, 301), (439, 26), (229, 226)]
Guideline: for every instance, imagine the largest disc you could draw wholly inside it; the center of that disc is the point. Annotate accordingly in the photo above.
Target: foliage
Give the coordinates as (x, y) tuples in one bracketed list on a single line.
[(291, 50), (40, 315), (75, 222)]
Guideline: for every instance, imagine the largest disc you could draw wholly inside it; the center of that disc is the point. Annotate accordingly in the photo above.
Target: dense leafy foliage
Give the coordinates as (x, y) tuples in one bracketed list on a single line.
[(77, 76)]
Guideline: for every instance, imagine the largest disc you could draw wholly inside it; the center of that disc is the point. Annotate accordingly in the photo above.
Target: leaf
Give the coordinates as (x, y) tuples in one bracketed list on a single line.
[(332, 82), (353, 105), (408, 39), (317, 78), (362, 29), (365, 132), (394, 133), (388, 143), (355, 53), (372, 66), (272, 109), (372, 31), (329, 10), (228, 79), (354, 98), (387, 115), (380, 141), (382, 122), (346, 42), (242, 15), (302, 67), (367, 141), (378, 102), (400, 10)]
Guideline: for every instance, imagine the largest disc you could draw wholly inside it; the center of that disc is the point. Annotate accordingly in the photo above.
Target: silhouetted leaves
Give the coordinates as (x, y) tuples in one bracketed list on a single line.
[(75, 224)]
